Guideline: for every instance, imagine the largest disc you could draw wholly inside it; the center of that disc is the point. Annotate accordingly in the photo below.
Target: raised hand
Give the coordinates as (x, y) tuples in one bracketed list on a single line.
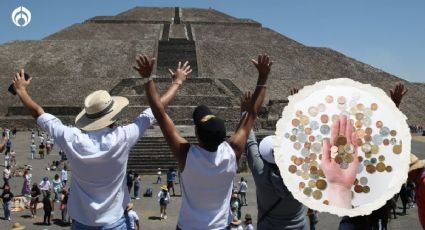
[(340, 180), (263, 65), (398, 94), (245, 101), (144, 66), (293, 91), (181, 72), (19, 81)]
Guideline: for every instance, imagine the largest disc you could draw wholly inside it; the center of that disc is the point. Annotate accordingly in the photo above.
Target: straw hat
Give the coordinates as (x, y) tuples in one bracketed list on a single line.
[(266, 149), (17, 226), (236, 221), (164, 187), (130, 206), (100, 111), (415, 163)]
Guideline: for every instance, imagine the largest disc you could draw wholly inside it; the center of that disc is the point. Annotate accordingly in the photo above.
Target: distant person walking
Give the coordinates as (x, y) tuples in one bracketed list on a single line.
[(35, 198), (243, 187), (41, 150), (26, 187), (130, 178), (48, 208), (64, 175), (45, 186), (32, 149), (163, 199), (137, 185), (7, 197), (6, 176), (133, 217), (171, 177)]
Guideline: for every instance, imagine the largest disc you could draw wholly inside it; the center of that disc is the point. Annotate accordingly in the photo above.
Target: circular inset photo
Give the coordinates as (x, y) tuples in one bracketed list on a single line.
[(342, 147)]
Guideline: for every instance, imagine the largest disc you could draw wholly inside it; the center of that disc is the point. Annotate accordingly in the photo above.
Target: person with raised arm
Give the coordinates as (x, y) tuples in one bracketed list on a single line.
[(207, 170), (97, 151)]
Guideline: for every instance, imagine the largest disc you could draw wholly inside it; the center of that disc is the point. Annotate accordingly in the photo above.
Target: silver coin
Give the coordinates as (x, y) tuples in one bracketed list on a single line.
[(294, 131), (314, 176), (314, 125), (366, 147), (298, 172), (373, 160), (367, 121), (316, 147), (305, 167), (319, 137), (297, 145), (301, 127), (393, 141), (287, 135), (325, 129), (302, 137), (366, 162), (349, 148), (321, 107), (384, 131), (305, 152), (360, 168), (313, 111), (377, 139)]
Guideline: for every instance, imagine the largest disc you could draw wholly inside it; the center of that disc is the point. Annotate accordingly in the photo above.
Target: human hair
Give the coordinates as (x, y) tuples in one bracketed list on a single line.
[(56, 176)]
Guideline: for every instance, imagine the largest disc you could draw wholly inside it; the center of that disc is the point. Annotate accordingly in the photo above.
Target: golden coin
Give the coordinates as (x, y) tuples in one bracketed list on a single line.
[(324, 118), (368, 155), (358, 124), (311, 184), (326, 202), (379, 124), (374, 149), (321, 173), (293, 157), (295, 122), (397, 149), (358, 189), (311, 138), (370, 169), (299, 113), (341, 100), (305, 175), (293, 138), (360, 158), (329, 99), (393, 133), (374, 106), (314, 163), (341, 149), (368, 131), (359, 142), (292, 169), (321, 184), (380, 167), (317, 194), (301, 185), (307, 145), (313, 169), (386, 142), (368, 138), (338, 159), (360, 107), (381, 158), (313, 156), (348, 158), (307, 131), (341, 140), (298, 161), (305, 120), (366, 189), (307, 191), (359, 116), (389, 168), (360, 133)]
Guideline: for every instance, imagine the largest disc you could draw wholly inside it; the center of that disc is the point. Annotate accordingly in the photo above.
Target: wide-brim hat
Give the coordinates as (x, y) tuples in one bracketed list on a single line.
[(415, 163), (164, 187), (236, 221), (17, 226), (266, 149), (100, 110)]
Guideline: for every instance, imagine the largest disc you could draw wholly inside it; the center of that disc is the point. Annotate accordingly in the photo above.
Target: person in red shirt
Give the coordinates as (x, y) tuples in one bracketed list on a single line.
[(417, 176)]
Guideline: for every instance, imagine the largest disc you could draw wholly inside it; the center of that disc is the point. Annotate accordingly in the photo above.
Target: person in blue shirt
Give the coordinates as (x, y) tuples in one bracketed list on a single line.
[(171, 177)]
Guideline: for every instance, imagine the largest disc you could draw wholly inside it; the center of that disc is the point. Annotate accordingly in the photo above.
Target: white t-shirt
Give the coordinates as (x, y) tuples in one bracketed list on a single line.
[(64, 175), (133, 217), (33, 147), (207, 182), (98, 193), (45, 185), (243, 186), (249, 227), (6, 173)]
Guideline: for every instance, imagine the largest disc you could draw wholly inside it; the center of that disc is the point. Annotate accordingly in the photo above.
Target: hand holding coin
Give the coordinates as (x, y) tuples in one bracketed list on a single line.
[(339, 162)]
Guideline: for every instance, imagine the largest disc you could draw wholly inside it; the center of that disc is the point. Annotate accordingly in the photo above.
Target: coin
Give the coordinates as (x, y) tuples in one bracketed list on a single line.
[(379, 124), (329, 99), (359, 142), (307, 160), (292, 169), (360, 133), (324, 129), (294, 131), (377, 139), (297, 145), (287, 135), (366, 189), (293, 157), (307, 191), (321, 184), (341, 149), (313, 156), (313, 169), (363, 180), (374, 149), (386, 142), (381, 158), (360, 107), (343, 165), (358, 124), (298, 161), (321, 173), (366, 147), (313, 111), (308, 131), (302, 137), (316, 147), (358, 189), (368, 131), (348, 158), (397, 149), (388, 168), (349, 148), (359, 116), (338, 159), (373, 160), (305, 175), (334, 154), (319, 137), (380, 167), (311, 138), (293, 138), (317, 194), (370, 169), (360, 158), (384, 131), (356, 182), (314, 125), (393, 141), (301, 185), (305, 120), (393, 133), (321, 107), (374, 106), (305, 167), (298, 113), (314, 163), (326, 202), (367, 121), (341, 140), (305, 152), (368, 155), (295, 122), (341, 100), (324, 118), (298, 173), (311, 184), (367, 138)]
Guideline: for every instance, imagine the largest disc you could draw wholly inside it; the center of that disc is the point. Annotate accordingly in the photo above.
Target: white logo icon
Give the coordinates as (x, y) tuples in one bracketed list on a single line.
[(21, 16)]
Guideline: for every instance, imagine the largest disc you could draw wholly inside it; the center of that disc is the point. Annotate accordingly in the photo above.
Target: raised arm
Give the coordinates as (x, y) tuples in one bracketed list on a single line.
[(177, 143), (397, 94), (3, 144), (238, 140), (21, 90)]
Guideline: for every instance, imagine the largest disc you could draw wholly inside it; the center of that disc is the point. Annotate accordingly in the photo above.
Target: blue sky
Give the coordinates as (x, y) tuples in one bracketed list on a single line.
[(387, 34)]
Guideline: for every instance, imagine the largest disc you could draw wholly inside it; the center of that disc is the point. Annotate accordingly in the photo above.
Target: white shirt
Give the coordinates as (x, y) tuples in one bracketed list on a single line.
[(33, 147), (133, 217), (64, 175), (243, 186), (98, 159), (249, 227), (207, 182), (6, 173), (45, 185), (167, 197)]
